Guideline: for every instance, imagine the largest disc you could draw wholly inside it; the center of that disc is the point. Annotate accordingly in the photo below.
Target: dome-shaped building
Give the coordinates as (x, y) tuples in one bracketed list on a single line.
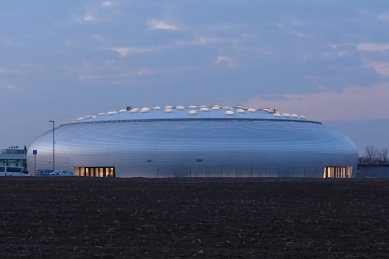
[(196, 141)]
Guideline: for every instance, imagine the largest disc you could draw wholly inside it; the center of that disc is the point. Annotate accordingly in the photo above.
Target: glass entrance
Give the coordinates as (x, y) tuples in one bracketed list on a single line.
[(337, 172), (95, 171)]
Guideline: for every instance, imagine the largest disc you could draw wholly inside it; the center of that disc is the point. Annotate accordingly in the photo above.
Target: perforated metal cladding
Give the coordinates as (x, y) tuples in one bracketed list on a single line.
[(163, 148)]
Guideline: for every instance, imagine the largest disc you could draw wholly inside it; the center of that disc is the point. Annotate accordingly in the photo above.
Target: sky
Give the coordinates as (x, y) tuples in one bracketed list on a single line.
[(325, 59)]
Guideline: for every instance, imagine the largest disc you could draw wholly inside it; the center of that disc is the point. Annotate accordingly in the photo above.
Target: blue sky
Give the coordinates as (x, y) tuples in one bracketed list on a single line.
[(327, 60)]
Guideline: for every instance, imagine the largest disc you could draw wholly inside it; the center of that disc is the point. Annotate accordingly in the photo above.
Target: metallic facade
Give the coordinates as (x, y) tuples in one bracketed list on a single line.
[(226, 146)]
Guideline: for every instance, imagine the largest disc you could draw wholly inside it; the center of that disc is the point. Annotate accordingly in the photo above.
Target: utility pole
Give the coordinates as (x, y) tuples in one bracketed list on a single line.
[(53, 144), (35, 152)]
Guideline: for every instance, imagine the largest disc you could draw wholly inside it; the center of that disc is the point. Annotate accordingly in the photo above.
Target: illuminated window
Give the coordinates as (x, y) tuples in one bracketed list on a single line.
[(95, 171), (337, 172)]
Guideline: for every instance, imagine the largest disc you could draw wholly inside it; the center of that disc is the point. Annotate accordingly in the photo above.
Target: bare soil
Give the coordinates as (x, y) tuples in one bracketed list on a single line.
[(73, 217)]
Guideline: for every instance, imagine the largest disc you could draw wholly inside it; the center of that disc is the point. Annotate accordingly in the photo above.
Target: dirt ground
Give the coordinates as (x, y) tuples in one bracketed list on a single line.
[(72, 217)]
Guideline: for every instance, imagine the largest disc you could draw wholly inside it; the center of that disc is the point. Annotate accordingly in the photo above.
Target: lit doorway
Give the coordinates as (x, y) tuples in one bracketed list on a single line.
[(337, 172), (95, 171)]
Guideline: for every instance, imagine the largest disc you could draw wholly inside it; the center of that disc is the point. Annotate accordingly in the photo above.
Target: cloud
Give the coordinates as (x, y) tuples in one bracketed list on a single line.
[(12, 71), (204, 41), (106, 4), (143, 72), (372, 47), (8, 86), (162, 25), (380, 68), (383, 17), (123, 52), (224, 61), (106, 73), (98, 38), (8, 42), (95, 11), (201, 41), (88, 17), (32, 66), (342, 53), (126, 51), (353, 103)]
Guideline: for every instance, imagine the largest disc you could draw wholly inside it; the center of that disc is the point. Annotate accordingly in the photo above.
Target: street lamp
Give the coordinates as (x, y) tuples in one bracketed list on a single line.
[(53, 144), (35, 152)]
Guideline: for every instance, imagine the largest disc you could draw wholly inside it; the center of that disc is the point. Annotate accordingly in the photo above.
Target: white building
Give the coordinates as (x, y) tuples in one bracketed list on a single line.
[(13, 156)]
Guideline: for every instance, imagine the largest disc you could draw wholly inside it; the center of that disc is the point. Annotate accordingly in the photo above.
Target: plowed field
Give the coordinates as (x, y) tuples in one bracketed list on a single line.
[(67, 217)]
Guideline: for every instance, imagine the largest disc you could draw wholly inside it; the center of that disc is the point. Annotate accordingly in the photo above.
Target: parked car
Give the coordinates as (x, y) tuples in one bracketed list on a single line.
[(43, 172), (61, 173)]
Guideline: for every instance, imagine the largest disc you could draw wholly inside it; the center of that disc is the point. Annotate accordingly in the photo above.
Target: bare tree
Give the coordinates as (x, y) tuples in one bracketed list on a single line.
[(384, 155), (361, 159), (372, 154)]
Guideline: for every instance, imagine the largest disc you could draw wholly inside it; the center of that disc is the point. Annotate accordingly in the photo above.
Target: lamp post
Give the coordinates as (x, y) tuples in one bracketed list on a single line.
[(53, 144), (35, 152)]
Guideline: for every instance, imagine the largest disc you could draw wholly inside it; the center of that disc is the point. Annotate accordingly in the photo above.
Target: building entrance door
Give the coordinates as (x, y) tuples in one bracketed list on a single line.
[(337, 172), (101, 171)]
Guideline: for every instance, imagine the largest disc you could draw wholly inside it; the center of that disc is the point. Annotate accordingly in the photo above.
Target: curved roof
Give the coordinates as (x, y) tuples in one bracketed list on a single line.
[(191, 112)]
